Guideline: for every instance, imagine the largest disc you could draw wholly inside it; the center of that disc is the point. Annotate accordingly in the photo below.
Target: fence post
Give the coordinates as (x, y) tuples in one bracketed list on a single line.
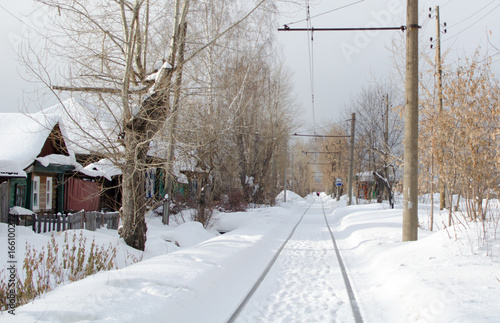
[(52, 223)]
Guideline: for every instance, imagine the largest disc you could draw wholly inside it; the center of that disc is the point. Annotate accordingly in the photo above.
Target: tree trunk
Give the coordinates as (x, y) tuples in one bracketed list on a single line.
[(134, 202)]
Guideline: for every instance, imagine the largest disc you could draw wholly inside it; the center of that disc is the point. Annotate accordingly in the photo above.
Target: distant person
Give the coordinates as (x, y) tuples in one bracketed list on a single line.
[(317, 193)]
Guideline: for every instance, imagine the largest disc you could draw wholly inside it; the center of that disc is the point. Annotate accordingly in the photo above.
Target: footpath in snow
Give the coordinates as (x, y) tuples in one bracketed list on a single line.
[(446, 276)]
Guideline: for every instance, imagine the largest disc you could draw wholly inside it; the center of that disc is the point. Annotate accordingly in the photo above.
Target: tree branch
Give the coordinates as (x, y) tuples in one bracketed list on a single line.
[(140, 90)]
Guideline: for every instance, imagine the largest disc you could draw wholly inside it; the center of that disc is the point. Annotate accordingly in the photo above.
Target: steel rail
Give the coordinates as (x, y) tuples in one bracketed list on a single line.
[(266, 271), (352, 298)]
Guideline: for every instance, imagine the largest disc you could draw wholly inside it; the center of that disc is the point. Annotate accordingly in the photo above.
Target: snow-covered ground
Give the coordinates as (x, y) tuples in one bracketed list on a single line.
[(188, 274)]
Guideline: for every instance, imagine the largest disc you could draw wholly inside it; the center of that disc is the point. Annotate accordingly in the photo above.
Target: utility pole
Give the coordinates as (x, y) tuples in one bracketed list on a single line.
[(410, 176), (291, 156), (284, 175), (442, 187), (386, 134), (386, 145), (351, 166), (340, 169)]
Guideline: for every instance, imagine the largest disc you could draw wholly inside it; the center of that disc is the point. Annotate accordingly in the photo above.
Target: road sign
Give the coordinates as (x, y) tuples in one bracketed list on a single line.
[(338, 182)]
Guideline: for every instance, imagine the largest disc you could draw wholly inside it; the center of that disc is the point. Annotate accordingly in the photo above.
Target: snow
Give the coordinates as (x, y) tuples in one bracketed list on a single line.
[(103, 167), (17, 210), (85, 126), (189, 274), (22, 136), (9, 168)]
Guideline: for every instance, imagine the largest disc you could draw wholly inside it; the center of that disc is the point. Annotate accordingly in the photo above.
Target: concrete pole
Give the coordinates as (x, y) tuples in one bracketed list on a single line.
[(351, 165), (410, 176)]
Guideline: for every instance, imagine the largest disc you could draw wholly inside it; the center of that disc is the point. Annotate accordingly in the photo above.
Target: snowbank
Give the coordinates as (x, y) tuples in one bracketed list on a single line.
[(445, 276)]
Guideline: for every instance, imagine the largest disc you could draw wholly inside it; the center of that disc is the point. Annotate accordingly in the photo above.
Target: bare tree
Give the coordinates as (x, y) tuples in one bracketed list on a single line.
[(379, 132), (124, 56)]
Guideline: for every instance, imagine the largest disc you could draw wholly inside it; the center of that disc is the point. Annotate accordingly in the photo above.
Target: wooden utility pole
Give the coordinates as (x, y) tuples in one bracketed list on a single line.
[(442, 187), (386, 137), (351, 165), (410, 176), (386, 149)]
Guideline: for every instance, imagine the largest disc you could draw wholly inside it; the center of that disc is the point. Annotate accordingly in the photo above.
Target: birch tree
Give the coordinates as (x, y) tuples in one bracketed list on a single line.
[(124, 56)]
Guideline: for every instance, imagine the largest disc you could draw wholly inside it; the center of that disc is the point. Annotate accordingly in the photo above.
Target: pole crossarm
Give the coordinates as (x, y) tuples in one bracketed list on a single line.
[(329, 164), (321, 152), (319, 136), (402, 28)]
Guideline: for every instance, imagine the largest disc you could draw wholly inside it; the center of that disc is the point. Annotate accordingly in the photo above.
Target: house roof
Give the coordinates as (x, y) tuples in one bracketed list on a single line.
[(27, 138), (87, 127), (22, 137), (10, 168)]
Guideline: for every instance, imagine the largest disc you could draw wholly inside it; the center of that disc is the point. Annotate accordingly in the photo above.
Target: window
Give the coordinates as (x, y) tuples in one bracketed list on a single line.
[(20, 195), (48, 199), (36, 193)]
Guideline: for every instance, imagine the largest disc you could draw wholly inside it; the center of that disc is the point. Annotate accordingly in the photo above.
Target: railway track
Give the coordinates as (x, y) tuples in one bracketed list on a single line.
[(305, 279)]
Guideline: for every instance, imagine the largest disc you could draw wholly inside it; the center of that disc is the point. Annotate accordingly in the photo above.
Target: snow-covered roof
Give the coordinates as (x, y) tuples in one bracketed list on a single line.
[(9, 168), (104, 167), (22, 136), (365, 177), (87, 127)]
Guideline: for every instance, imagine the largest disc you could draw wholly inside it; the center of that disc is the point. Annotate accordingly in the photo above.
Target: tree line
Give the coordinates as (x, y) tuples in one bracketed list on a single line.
[(177, 80)]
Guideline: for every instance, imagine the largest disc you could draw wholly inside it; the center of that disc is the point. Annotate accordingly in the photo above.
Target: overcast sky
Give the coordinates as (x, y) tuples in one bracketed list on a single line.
[(344, 62)]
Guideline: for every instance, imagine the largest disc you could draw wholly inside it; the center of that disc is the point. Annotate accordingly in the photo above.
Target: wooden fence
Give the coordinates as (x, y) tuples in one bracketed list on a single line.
[(42, 223)]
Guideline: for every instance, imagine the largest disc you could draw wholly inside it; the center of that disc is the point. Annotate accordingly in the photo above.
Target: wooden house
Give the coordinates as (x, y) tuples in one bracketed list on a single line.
[(36, 146)]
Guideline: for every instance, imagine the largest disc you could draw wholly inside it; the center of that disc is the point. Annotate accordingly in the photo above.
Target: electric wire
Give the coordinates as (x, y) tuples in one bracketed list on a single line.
[(475, 13), (446, 3), (310, 48), (326, 12), (13, 15), (460, 32)]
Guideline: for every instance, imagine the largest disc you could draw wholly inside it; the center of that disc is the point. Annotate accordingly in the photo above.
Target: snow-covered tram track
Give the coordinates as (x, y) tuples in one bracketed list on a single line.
[(352, 298), (305, 281), (264, 274)]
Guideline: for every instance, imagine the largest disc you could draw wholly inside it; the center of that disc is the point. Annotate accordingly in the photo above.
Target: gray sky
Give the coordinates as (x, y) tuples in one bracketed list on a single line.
[(344, 62)]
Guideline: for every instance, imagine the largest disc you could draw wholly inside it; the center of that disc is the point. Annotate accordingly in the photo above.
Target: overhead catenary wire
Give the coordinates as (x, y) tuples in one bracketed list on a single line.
[(326, 12), (310, 50)]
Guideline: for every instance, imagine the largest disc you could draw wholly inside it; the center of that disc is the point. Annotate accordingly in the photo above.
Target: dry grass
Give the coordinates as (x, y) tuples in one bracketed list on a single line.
[(52, 265)]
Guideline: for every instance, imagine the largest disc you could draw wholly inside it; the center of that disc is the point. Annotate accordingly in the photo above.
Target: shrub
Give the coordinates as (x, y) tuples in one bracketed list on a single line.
[(46, 268)]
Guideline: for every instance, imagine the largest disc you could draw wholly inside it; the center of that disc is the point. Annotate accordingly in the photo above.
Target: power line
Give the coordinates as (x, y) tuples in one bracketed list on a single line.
[(310, 48), (475, 13), (446, 3), (326, 12), (456, 35), (13, 15)]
